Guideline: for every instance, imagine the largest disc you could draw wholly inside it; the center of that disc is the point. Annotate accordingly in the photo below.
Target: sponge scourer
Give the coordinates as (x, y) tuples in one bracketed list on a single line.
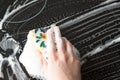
[(38, 36), (34, 53)]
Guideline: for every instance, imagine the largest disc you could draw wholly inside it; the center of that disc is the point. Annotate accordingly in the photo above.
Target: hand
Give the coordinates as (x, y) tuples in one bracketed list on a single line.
[(62, 63)]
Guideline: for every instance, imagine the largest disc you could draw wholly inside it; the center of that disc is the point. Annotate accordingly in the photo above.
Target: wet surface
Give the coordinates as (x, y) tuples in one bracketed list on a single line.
[(92, 26)]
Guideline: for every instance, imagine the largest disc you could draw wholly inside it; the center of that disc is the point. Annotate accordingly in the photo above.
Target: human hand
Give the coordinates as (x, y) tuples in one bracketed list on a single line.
[(62, 63)]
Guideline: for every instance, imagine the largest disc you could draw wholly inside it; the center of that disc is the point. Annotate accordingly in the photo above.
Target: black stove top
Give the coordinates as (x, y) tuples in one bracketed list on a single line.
[(92, 26)]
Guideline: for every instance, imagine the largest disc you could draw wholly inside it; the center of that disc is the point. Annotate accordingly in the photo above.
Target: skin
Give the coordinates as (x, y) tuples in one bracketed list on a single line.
[(62, 63)]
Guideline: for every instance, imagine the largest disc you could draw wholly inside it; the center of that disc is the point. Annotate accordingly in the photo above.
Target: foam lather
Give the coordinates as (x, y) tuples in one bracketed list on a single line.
[(38, 38)]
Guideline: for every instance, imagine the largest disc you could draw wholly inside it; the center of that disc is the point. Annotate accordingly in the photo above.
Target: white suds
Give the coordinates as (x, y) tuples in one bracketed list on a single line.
[(99, 49)]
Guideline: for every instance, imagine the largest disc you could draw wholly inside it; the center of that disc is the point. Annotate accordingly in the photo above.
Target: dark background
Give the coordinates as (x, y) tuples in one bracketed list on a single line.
[(86, 35), (4, 5)]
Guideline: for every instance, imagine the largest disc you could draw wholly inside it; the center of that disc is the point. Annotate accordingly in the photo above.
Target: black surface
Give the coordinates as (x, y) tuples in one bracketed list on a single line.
[(97, 29)]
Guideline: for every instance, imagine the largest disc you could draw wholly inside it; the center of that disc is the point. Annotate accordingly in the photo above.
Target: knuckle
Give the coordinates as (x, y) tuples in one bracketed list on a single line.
[(61, 51), (72, 59), (78, 62), (63, 58), (69, 44), (69, 48)]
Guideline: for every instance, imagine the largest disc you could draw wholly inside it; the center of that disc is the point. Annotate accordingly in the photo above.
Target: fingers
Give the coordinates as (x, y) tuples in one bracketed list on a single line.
[(50, 41), (57, 46), (59, 42), (69, 48), (51, 48)]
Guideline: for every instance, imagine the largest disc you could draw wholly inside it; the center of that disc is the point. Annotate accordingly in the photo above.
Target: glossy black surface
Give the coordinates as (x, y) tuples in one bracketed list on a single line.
[(88, 24)]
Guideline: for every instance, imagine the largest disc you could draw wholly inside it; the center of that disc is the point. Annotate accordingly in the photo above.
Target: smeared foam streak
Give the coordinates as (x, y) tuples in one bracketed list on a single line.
[(99, 49), (1, 59), (8, 14), (16, 68), (107, 1), (87, 15)]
